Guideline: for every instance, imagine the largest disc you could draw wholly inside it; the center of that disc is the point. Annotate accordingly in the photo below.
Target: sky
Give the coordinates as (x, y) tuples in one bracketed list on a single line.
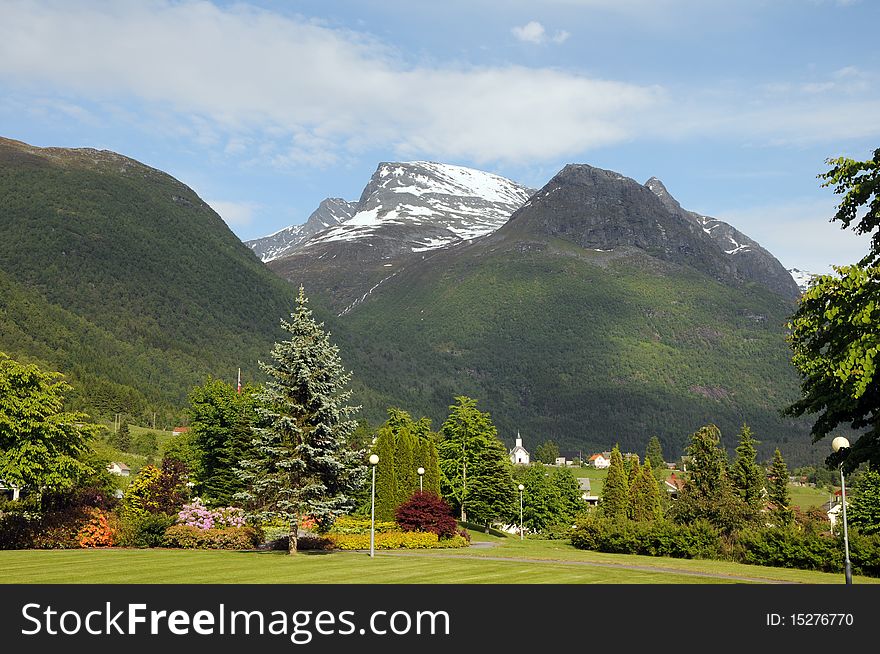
[(265, 108)]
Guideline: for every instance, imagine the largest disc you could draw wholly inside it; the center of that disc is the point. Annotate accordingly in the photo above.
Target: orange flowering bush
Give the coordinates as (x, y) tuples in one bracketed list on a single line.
[(97, 532)]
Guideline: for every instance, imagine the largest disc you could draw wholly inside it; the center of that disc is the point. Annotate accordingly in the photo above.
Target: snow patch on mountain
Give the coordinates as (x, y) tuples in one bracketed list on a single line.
[(801, 277)]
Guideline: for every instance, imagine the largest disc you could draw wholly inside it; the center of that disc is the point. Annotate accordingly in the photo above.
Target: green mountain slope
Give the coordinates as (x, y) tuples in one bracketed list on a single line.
[(586, 348), (123, 277)]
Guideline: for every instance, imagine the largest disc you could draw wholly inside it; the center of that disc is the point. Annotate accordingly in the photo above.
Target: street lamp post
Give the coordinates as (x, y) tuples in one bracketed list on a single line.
[(521, 488), (840, 443), (374, 459), (421, 472)]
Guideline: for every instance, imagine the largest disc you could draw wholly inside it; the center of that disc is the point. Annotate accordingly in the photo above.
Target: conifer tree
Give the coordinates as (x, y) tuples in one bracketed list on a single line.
[(865, 510), (406, 477), (122, 438), (645, 495), (301, 463), (386, 478), (654, 454), (428, 461), (615, 490), (777, 489), (746, 475)]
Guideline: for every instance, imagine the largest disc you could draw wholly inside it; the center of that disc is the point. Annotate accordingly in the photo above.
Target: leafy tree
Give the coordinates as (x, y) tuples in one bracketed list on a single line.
[(707, 492), (654, 455), (542, 505), (122, 438), (300, 463), (566, 486), (834, 334), (745, 473), (475, 472), (644, 493), (864, 512), (41, 445), (145, 443), (221, 423), (615, 490), (777, 489), (547, 452)]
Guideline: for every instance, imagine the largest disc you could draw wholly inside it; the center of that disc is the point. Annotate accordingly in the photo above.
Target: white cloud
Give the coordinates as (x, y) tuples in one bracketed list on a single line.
[(531, 32), (235, 214), (561, 36)]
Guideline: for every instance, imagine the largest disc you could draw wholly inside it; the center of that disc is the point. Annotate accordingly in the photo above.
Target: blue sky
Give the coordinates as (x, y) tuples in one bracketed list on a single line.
[(265, 108)]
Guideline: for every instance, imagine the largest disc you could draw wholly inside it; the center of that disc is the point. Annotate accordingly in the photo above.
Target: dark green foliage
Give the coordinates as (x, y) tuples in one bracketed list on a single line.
[(427, 512), (746, 475), (864, 512), (644, 495), (42, 446), (475, 472), (386, 479), (144, 529), (615, 491), (220, 430), (787, 547), (427, 459), (656, 538), (132, 285), (654, 455), (122, 438), (707, 493), (566, 486), (777, 490), (551, 497), (547, 452), (407, 480), (300, 463)]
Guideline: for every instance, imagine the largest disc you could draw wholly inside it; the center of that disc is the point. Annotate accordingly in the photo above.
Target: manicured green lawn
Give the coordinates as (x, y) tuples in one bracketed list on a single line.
[(510, 561), (804, 497)]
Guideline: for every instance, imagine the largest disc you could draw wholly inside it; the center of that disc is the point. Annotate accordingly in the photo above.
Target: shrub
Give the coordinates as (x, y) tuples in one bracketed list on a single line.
[(225, 538), (654, 538), (196, 514), (143, 529), (97, 532), (429, 512), (399, 540), (352, 525), (788, 547)]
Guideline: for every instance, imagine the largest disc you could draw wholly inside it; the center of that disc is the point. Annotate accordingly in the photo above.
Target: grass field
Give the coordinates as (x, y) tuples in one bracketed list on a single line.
[(509, 561)]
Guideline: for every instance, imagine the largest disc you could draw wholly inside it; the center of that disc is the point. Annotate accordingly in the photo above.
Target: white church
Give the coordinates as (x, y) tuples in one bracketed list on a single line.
[(519, 455)]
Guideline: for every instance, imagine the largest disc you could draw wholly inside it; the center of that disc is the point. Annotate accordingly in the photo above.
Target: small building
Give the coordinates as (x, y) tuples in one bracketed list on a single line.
[(519, 455), (561, 461), (601, 460), (587, 491), (833, 509), (179, 430), (673, 485), (118, 468)]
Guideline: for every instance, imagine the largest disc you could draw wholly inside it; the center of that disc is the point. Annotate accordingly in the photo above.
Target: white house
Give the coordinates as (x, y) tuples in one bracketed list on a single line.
[(519, 455), (833, 509), (602, 460), (119, 469)]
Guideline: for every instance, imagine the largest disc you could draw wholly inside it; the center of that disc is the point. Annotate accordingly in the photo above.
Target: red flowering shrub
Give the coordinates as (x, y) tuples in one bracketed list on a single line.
[(427, 512), (97, 532)]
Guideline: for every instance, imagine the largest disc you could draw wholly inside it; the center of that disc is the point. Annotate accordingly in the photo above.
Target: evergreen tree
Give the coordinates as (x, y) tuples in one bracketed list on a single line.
[(777, 489), (406, 477), (864, 512), (654, 454), (122, 438), (475, 474), (645, 502), (428, 460), (386, 478), (746, 475), (615, 490), (707, 492), (300, 464), (221, 429)]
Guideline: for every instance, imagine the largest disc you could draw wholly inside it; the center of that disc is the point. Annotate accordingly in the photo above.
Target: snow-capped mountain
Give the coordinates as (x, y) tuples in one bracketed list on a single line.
[(801, 277), (331, 211), (405, 208)]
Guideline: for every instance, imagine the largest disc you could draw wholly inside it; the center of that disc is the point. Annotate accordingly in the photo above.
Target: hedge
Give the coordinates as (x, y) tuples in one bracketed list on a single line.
[(225, 538), (394, 541)]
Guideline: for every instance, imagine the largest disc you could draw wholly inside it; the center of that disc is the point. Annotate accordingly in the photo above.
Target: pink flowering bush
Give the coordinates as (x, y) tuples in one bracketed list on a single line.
[(196, 514)]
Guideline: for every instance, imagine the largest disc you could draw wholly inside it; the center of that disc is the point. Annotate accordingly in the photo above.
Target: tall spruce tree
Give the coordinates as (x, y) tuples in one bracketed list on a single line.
[(707, 492), (615, 490), (301, 463), (122, 438), (865, 510), (745, 473), (777, 489), (645, 502), (428, 460), (475, 472), (654, 454), (407, 479)]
